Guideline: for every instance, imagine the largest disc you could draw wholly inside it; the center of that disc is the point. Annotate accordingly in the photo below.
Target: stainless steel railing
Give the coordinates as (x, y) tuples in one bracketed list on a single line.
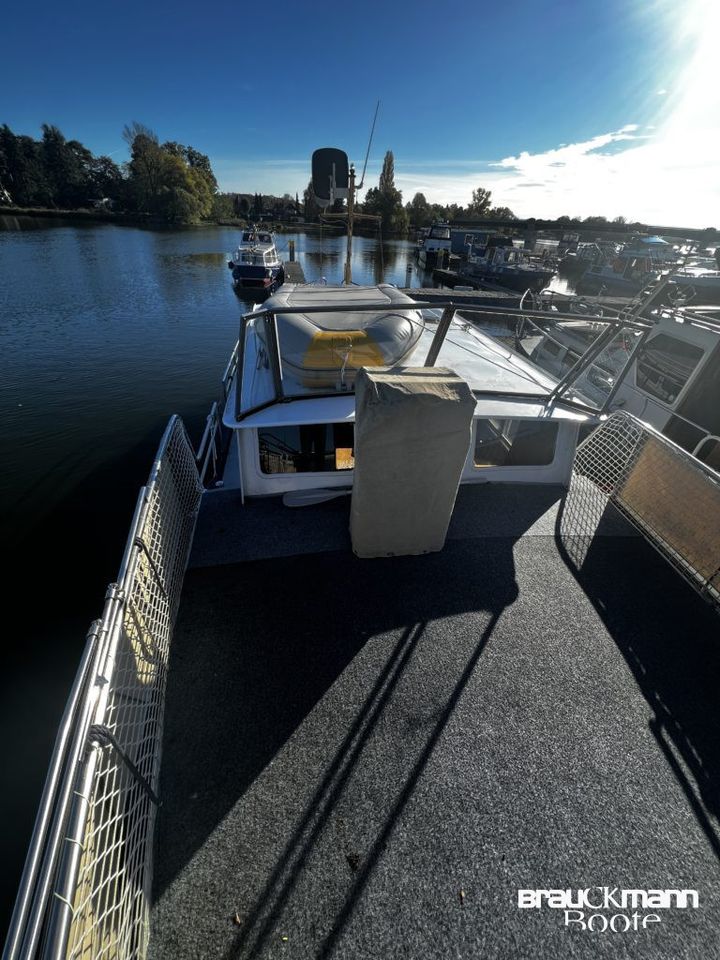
[(85, 891), (670, 496)]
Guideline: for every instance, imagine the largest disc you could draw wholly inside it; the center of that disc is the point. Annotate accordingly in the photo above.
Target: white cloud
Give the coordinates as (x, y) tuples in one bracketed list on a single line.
[(653, 177)]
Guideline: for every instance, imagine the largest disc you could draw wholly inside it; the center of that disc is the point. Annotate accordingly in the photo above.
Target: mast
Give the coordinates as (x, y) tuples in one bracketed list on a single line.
[(347, 279)]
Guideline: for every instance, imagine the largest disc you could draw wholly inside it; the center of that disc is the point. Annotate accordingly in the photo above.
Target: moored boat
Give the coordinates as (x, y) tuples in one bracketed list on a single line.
[(256, 263), (435, 245), (510, 267)]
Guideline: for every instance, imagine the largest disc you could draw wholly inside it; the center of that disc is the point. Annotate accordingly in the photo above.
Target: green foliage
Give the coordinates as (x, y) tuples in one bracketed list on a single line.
[(419, 211), (385, 200), (501, 213), (387, 174), (480, 204), (171, 180), (22, 170), (310, 206), (55, 172), (224, 206)]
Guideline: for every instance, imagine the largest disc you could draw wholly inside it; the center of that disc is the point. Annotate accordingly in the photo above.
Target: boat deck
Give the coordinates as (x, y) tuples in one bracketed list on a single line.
[(367, 758)]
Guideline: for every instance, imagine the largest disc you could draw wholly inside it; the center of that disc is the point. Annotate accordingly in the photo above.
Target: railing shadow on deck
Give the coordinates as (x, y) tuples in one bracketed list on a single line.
[(333, 607), (666, 632)]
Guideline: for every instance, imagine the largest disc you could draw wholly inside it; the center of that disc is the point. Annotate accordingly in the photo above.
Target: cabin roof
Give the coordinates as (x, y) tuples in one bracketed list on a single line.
[(485, 363)]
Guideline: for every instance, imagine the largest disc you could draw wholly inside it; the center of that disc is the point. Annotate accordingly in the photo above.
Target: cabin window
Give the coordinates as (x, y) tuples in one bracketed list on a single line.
[(665, 365), (514, 443), (307, 448)]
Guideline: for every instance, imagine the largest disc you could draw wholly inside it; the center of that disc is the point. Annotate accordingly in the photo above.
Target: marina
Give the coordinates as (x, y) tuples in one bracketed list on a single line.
[(340, 781), (361, 482)]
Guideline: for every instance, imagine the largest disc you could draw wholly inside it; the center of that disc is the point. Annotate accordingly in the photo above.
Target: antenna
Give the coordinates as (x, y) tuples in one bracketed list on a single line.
[(372, 131)]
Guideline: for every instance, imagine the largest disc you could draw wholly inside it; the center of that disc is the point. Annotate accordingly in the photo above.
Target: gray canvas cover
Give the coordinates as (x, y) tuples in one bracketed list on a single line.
[(412, 434)]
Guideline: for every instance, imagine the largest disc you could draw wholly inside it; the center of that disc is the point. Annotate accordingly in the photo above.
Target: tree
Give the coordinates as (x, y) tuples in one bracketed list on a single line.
[(385, 200), (170, 181), (223, 206), (501, 213), (620, 220), (310, 205), (419, 211), (387, 174), (480, 203), (146, 167), (22, 169), (184, 194), (106, 180)]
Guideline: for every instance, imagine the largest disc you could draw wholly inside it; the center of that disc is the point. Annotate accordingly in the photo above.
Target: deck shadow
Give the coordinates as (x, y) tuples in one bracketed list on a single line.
[(350, 743), (258, 645), (667, 634)]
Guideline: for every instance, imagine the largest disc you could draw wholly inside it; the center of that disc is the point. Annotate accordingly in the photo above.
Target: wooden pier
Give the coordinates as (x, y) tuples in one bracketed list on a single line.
[(293, 272)]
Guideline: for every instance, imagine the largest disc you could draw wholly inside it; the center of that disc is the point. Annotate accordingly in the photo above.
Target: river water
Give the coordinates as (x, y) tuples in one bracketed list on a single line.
[(106, 331)]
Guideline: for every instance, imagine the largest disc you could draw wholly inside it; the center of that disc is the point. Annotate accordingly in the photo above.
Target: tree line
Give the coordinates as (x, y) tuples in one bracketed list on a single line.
[(176, 183), (168, 180)]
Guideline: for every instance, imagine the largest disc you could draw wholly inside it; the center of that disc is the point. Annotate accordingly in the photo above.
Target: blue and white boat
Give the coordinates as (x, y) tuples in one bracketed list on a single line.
[(256, 263)]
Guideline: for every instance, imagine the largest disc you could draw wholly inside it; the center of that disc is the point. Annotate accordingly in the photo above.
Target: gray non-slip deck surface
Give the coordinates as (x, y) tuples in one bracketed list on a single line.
[(369, 758)]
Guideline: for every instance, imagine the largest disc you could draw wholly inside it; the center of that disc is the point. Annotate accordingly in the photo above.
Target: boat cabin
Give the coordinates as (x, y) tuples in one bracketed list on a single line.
[(671, 377), (290, 390)]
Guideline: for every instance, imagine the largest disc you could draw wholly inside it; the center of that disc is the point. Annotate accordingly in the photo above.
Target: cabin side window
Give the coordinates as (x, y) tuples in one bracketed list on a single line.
[(307, 448), (665, 365), (514, 443)]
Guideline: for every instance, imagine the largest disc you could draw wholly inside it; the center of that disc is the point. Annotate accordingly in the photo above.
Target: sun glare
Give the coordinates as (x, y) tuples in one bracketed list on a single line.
[(694, 104)]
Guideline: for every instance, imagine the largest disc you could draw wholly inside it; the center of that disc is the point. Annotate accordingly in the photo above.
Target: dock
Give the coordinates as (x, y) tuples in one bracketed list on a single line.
[(473, 298), (502, 298), (293, 272)]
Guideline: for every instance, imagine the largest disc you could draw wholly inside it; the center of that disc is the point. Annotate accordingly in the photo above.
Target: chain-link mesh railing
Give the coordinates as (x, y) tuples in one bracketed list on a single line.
[(111, 899), (86, 888), (670, 496)]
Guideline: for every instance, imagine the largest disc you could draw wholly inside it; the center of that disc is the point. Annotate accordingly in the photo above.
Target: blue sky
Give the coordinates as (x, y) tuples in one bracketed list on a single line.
[(590, 106)]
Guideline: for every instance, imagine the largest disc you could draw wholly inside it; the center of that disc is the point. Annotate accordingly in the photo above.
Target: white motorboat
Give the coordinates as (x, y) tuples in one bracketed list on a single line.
[(435, 245), (256, 263)]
